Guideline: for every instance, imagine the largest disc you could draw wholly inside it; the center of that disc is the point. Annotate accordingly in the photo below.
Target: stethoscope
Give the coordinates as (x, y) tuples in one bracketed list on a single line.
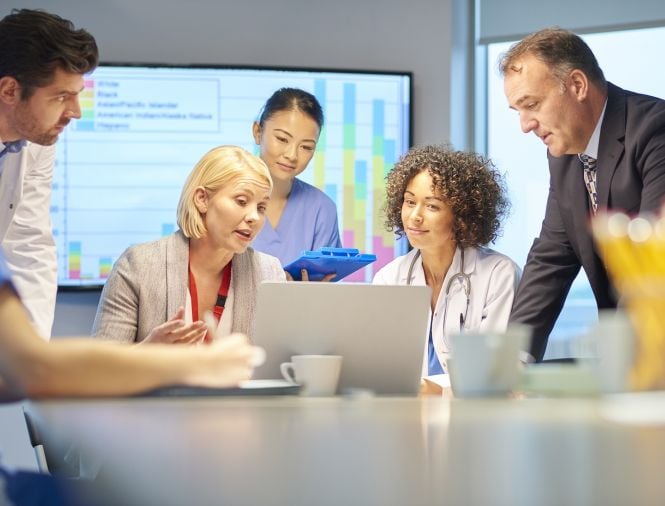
[(462, 276)]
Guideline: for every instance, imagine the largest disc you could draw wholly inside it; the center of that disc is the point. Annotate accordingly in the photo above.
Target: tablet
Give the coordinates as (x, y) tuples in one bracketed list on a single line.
[(324, 261)]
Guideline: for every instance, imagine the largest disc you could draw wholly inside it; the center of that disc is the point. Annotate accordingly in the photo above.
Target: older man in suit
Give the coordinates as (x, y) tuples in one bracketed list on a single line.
[(606, 149)]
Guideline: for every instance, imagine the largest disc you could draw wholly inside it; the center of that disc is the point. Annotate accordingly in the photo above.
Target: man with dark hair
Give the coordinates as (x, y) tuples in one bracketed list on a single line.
[(606, 149), (42, 62)]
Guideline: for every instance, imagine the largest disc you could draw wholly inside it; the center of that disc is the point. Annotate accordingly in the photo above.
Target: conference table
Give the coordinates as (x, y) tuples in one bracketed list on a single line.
[(291, 450)]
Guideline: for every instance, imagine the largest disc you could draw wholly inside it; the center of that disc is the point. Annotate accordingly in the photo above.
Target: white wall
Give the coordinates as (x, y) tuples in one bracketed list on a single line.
[(355, 34)]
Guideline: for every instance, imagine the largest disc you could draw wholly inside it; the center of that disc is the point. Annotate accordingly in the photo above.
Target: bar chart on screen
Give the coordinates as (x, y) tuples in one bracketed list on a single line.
[(120, 168)]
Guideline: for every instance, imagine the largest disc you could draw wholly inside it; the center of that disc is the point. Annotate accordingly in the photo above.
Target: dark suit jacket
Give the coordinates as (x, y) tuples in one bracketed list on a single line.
[(630, 177)]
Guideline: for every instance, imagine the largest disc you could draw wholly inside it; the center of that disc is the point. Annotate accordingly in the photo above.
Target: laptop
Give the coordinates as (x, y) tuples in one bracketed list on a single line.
[(380, 330)]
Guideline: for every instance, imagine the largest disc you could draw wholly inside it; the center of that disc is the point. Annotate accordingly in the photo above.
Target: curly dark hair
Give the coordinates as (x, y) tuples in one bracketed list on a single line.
[(35, 43), (469, 183)]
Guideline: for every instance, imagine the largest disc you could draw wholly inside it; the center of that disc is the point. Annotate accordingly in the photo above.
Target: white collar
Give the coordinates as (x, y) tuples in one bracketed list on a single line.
[(592, 147)]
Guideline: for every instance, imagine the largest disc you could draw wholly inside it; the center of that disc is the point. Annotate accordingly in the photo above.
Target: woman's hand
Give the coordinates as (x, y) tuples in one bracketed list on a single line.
[(305, 276), (176, 331)]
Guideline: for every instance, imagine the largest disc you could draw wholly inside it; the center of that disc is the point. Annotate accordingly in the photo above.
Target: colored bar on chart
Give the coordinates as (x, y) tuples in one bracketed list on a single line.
[(331, 191), (389, 154), (360, 204), (319, 178), (348, 238), (378, 118), (84, 126), (74, 259), (384, 252), (105, 265), (354, 208), (167, 229), (319, 161), (361, 179), (87, 104)]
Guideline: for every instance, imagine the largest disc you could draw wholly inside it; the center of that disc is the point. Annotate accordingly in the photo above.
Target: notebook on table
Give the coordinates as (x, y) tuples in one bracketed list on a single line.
[(380, 330)]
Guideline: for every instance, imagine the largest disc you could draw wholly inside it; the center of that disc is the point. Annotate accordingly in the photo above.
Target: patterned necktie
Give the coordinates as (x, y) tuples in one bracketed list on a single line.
[(590, 179)]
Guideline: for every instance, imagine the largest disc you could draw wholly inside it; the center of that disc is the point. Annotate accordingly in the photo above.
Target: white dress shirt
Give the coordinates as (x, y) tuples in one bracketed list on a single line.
[(26, 232)]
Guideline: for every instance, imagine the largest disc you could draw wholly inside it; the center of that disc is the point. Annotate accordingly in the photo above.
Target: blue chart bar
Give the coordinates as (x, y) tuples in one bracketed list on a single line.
[(85, 126), (167, 229), (360, 179), (349, 104), (378, 121), (331, 191), (320, 90)]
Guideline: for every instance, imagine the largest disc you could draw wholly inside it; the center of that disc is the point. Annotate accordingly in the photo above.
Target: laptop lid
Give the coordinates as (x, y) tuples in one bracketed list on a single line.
[(380, 330)]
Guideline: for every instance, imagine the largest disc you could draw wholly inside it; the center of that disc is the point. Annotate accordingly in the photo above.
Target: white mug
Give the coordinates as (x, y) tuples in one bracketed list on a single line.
[(318, 374), (486, 364), (608, 349)]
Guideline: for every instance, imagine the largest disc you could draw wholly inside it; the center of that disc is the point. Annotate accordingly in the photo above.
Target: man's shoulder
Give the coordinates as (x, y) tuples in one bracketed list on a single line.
[(636, 102)]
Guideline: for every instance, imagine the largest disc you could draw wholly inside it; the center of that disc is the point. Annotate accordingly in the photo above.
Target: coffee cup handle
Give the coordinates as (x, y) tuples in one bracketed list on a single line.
[(288, 372)]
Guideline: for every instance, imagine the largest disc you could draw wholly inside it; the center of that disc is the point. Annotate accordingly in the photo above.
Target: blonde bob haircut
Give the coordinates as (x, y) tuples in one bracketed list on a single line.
[(216, 169)]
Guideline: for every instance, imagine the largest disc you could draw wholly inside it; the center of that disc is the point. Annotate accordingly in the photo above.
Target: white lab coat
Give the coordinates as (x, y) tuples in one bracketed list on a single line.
[(26, 233), (494, 278)]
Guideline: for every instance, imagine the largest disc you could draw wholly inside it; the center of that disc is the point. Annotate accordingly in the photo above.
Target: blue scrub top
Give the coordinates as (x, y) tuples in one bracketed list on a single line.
[(309, 222)]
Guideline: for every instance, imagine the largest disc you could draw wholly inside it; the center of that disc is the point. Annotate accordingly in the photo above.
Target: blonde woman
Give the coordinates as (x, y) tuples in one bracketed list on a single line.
[(161, 290)]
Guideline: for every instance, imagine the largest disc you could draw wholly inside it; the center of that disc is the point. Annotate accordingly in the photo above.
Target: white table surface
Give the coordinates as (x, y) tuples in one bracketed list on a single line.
[(383, 451)]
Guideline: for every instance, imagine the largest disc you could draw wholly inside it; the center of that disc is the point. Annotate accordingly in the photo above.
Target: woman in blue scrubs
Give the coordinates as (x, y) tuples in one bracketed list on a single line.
[(300, 216)]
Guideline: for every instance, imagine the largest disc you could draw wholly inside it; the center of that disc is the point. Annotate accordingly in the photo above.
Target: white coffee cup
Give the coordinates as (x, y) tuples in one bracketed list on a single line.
[(487, 364), (608, 350), (318, 374)]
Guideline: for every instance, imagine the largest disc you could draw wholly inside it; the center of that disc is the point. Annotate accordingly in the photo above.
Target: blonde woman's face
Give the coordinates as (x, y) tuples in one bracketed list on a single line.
[(235, 214)]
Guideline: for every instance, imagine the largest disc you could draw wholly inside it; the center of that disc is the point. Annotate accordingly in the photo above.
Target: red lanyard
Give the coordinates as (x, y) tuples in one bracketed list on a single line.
[(222, 294)]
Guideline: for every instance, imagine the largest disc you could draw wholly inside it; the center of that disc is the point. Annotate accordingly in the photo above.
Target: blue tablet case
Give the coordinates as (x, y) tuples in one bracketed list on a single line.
[(342, 261)]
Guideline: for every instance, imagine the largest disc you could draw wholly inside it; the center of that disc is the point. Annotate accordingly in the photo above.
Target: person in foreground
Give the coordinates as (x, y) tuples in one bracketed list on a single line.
[(42, 63), (450, 204), (606, 149), (30, 367), (300, 216), (160, 291)]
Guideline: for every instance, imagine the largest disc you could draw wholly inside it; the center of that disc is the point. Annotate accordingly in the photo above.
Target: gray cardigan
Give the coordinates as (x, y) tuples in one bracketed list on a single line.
[(149, 281)]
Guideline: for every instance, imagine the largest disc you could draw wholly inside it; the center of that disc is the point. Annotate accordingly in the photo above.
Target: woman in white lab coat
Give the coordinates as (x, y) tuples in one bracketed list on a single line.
[(449, 204)]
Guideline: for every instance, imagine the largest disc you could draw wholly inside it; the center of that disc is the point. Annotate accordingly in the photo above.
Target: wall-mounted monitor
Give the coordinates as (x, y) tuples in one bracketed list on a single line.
[(120, 168)]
